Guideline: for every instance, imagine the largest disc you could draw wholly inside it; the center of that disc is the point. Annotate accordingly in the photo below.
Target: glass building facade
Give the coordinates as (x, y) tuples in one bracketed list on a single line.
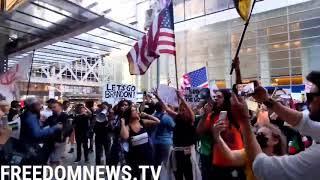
[(281, 46)]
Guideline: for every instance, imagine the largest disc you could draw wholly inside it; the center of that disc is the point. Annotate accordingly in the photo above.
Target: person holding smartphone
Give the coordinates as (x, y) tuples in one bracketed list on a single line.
[(222, 113)]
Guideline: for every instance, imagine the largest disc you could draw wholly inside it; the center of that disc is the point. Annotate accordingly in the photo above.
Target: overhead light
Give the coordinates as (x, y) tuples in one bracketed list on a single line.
[(276, 46), (249, 49), (14, 36), (297, 43), (286, 44), (107, 11)]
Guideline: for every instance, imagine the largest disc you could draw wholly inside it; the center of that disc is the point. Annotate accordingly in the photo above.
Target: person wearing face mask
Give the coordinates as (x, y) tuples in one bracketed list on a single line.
[(293, 137), (304, 165), (269, 137)]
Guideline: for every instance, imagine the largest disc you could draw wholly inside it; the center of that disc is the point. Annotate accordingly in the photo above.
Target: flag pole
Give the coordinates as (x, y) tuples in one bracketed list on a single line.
[(176, 71), (175, 55), (242, 37), (30, 72), (158, 72), (207, 68)]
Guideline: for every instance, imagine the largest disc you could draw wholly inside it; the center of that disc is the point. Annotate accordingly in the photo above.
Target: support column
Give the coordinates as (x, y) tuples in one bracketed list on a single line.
[(228, 59), (265, 70), (3, 58), (305, 63)]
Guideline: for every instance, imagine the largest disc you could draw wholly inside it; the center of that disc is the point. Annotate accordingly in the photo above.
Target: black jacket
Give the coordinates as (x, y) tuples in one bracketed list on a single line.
[(81, 125), (62, 118)]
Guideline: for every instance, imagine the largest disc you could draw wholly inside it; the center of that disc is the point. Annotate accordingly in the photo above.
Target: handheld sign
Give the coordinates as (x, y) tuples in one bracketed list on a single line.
[(191, 95), (168, 95), (113, 92)]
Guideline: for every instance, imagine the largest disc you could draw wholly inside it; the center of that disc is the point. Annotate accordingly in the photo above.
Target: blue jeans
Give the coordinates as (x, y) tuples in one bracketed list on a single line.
[(161, 153)]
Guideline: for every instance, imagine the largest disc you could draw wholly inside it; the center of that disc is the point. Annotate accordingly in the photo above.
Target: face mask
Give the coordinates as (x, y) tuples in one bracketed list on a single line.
[(262, 140)]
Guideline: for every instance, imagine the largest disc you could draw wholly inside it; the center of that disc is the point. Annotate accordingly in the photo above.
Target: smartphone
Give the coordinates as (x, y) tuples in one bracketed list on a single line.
[(222, 116), (245, 89)]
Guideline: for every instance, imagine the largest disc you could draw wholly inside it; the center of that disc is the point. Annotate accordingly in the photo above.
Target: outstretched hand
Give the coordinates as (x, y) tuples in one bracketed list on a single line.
[(260, 94), (239, 109), (236, 62), (155, 92)]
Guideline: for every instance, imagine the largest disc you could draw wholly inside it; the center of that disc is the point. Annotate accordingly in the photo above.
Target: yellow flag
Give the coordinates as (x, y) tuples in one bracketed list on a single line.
[(244, 8), (10, 5)]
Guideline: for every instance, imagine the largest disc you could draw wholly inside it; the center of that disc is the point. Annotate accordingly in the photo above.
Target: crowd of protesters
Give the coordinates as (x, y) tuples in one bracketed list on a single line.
[(280, 140)]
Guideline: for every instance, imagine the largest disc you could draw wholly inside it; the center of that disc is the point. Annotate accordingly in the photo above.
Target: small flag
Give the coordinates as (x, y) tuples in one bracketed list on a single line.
[(293, 146), (17, 72), (197, 78), (244, 8)]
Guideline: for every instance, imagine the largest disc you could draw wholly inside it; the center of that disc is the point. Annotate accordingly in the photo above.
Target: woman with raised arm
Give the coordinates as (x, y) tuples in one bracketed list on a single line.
[(182, 157), (140, 150), (269, 137), (232, 136)]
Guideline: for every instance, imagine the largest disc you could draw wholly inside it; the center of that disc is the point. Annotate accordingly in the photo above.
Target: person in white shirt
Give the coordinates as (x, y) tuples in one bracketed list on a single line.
[(304, 165)]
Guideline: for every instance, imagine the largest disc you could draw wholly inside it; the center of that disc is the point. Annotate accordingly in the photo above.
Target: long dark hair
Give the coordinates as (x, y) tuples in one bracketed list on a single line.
[(227, 107), (117, 108), (127, 114)]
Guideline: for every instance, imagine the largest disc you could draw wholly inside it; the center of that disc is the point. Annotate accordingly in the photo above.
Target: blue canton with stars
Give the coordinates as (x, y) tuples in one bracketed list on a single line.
[(198, 77), (167, 15)]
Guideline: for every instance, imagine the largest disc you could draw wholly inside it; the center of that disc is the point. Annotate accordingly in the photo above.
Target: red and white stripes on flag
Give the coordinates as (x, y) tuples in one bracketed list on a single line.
[(197, 78), (159, 40), (185, 82), (139, 58)]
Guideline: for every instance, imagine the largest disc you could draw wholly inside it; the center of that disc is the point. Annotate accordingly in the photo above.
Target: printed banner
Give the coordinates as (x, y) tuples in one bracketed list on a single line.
[(113, 92)]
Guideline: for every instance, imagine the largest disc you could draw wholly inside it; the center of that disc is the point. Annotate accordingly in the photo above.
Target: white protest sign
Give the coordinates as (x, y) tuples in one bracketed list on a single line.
[(168, 95), (8, 92), (253, 106), (307, 86), (113, 92), (297, 97), (191, 95)]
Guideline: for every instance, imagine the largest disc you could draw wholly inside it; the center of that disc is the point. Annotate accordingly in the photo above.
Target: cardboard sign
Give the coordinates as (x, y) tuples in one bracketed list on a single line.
[(113, 92), (168, 95), (253, 106), (191, 95)]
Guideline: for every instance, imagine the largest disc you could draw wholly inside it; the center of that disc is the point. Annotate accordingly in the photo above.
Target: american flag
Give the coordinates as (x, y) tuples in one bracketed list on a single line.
[(197, 78), (159, 40)]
